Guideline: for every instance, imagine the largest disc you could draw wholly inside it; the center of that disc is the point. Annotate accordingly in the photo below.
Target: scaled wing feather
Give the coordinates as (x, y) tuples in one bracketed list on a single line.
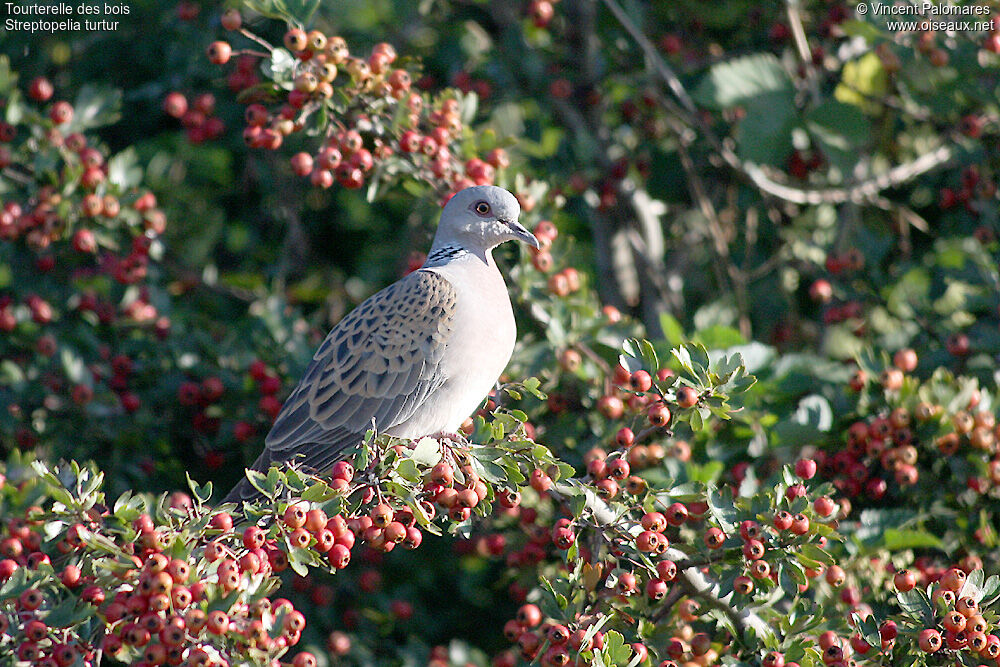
[(380, 362)]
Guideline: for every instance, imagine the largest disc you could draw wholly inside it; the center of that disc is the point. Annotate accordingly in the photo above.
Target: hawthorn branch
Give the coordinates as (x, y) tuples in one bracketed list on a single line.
[(690, 579)]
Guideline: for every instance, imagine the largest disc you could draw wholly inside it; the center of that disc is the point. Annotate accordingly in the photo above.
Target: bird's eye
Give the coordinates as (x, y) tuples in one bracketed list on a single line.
[(482, 208)]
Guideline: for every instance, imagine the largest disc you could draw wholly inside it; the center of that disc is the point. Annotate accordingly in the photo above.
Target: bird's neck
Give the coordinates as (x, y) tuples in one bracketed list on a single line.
[(450, 252)]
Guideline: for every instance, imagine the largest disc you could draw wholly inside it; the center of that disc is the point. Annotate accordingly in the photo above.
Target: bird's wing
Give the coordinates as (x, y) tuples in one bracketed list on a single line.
[(380, 362)]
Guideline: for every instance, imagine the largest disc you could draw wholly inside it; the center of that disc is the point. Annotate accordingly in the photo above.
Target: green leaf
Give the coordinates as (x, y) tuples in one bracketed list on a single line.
[(280, 66), (8, 77), (897, 540), (813, 552), (302, 10), (840, 130), (201, 493), (61, 495), (616, 651), (764, 135), (673, 333), (786, 581), (124, 170), (973, 585), (683, 357), (17, 584), (864, 81), (863, 29), (706, 474), (720, 504), (407, 469), (700, 359), (868, 629), (69, 614), (96, 106), (990, 591), (298, 560), (318, 492), (531, 385), (916, 605), (260, 482), (274, 478), (742, 80), (427, 452), (649, 357)]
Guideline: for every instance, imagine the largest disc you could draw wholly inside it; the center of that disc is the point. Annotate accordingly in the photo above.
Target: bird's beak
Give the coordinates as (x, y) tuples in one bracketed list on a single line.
[(521, 233)]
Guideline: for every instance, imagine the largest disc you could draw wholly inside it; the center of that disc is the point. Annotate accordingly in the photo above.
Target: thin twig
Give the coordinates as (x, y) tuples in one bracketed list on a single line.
[(260, 40), (802, 46)]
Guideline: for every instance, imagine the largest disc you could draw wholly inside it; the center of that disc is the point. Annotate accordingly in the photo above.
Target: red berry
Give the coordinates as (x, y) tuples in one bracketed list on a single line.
[(687, 397), (84, 241), (296, 40), (219, 52), (231, 19), (929, 640), (625, 437), (800, 524), (175, 105), (302, 164), (904, 580), (61, 112), (773, 659), (656, 589), (529, 615), (714, 538), (640, 381), (824, 506), (805, 468), (541, 12), (658, 414), (40, 89)]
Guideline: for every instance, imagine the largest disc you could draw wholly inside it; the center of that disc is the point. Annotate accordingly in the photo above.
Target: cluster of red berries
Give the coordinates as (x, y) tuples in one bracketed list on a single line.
[(641, 393), (209, 391), (610, 474), (887, 444), (465, 82), (802, 163), (43, 218), (963, 627), (153, 607), (160, 618), (458, 499), (643, 111), (375, 117), (159, 606), (196, 116), (972, 192), (564, 282), (530, 634)]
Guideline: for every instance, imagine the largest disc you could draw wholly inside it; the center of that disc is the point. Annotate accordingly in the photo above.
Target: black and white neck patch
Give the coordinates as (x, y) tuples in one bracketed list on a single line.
[(445, 254)]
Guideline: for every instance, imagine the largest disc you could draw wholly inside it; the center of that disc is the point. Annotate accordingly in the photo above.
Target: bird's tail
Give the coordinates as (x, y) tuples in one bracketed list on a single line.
[(244, 490)]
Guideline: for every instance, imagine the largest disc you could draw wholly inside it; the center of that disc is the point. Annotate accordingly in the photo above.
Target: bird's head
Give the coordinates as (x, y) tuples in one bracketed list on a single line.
[(480, 218)]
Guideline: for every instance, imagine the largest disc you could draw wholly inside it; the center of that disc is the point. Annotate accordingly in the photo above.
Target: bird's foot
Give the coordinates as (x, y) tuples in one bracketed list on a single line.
[(454, 438)]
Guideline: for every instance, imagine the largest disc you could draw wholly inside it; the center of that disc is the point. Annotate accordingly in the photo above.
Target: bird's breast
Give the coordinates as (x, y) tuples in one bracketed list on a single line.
[(479, 348)]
